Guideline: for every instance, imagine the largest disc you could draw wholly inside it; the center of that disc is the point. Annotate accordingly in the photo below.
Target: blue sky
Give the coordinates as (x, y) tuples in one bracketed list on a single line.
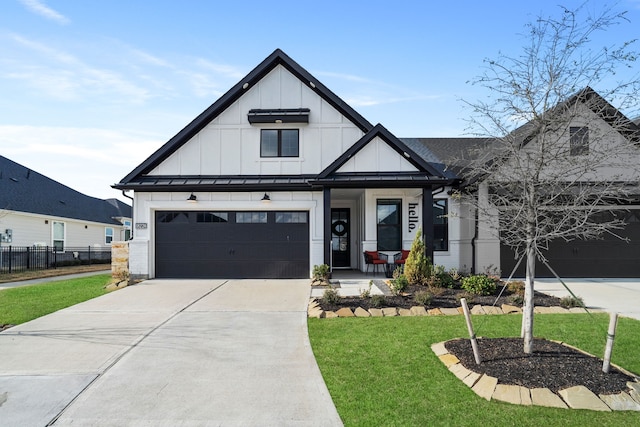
[(90, 88)]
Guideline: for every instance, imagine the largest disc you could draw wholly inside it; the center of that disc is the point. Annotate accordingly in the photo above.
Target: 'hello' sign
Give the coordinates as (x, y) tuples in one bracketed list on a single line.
[(414, 217)]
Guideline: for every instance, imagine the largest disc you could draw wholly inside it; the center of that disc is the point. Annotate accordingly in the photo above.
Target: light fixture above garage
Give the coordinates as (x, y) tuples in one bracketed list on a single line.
[(265, 198), (192, 198)]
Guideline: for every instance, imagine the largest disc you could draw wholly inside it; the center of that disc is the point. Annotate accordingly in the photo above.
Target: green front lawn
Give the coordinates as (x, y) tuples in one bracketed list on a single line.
[(19, 305), (382, 372)]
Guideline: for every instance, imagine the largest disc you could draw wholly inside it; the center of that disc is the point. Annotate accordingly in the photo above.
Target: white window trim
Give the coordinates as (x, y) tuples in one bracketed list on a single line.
[(107, 235), (64, 234)]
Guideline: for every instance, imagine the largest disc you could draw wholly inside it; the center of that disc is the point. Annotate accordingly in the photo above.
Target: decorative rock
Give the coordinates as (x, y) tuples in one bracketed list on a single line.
[(361, 312), (449, 359), (507, 309), (449, 311), (550, 310), (525, 396), (330, 314), (404, 312), (418, 310), (485, 386), (390, 311), (460, 371), (580, 397), (439, 349), (545, 397), (635, 395), (472, 379), (492, 310), (508, 393), (434, 312), (477, 309), (376, 312), (634, 385), (345, 312), (317, 313), (620, 402)]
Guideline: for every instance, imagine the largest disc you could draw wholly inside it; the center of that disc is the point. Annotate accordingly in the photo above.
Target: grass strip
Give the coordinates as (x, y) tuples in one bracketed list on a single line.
[(25, 303), (381, 371)]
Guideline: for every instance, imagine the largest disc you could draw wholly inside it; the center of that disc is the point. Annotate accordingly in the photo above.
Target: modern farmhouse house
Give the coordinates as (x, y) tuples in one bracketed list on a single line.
[(280, 174)]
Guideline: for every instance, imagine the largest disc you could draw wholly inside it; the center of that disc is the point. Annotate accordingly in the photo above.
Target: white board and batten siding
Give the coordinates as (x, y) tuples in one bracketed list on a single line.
[(230, 145)]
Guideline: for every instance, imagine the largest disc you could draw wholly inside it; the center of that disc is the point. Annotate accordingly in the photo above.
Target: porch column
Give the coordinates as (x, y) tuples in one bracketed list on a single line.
[(427, 221), (326, 193)]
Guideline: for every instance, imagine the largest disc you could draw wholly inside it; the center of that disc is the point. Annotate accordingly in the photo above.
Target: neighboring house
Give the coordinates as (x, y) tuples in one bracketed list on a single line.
[(280, 174), (38, 211)]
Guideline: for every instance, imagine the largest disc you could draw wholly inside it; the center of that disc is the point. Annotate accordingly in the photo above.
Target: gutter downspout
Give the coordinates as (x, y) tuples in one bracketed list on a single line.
[(132, 211)]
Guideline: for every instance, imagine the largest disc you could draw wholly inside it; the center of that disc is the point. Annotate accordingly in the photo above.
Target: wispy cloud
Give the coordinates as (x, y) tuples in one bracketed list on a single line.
[(39, 8), (67, 77), (88, 160)]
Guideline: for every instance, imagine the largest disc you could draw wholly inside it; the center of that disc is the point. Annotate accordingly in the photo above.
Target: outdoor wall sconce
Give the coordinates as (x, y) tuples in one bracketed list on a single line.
[(192, 198), (265, 198)]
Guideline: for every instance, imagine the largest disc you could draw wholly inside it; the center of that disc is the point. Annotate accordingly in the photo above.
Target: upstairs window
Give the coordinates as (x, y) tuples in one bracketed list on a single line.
[(279, 143), (579, 140)]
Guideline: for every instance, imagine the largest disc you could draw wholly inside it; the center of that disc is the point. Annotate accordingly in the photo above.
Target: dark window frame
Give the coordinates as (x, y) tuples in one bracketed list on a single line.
[(440, 225), (394, 243), (579, 140), (279, 143)]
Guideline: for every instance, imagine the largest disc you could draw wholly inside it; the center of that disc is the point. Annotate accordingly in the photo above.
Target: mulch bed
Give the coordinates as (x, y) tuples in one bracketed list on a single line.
[(551, 365), (443, 298)]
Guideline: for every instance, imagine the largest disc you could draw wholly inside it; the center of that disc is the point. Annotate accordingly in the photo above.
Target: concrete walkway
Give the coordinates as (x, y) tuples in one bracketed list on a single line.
[(611, 295), (169, 353)]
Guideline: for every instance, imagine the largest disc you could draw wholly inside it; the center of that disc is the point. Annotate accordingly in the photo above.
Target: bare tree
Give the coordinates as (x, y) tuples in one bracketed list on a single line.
[(565, 171)]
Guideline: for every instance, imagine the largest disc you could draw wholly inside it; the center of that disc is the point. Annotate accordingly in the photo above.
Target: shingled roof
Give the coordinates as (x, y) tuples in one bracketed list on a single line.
[(24, 190)]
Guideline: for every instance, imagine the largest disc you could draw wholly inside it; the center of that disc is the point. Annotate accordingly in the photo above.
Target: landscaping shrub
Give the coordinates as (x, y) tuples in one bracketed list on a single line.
[(516, 287), (417, 267), (377, 301), (399, 284), (331, 296), (320, 274), (423, 297), (479, 285), (366, 293), (569, 302), (442, 279)]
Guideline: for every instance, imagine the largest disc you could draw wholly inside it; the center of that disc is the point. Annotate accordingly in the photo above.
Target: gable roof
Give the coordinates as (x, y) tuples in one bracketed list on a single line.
[(24, 190), (393, 142), (278, 57)]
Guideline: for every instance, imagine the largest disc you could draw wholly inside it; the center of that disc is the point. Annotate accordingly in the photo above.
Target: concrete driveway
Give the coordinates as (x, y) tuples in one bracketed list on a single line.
[(168, 353), (621, 296)]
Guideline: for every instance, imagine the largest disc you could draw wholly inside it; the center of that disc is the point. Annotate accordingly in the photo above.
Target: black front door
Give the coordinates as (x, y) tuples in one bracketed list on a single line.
[(340, 237)]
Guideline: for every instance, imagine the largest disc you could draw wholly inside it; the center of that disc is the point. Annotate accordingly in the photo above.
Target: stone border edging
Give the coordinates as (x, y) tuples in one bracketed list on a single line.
[(314, 310), (578, 397)]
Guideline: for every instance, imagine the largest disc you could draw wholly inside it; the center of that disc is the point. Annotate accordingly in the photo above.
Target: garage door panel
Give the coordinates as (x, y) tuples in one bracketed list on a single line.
[(187, 247), (609, 257)]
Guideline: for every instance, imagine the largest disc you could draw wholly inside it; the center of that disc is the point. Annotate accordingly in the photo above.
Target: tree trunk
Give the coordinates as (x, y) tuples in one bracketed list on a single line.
[(527, 307)]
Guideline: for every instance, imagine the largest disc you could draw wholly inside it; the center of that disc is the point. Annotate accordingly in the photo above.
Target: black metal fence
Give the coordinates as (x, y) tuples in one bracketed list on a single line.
[(21, 258)]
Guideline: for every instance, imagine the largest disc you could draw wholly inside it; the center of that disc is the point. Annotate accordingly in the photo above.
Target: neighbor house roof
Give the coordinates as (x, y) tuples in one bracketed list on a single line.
[(24, 190)]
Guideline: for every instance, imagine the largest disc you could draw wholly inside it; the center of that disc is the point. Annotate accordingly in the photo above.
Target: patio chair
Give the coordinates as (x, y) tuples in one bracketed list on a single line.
[(400, 257), (375, 258)]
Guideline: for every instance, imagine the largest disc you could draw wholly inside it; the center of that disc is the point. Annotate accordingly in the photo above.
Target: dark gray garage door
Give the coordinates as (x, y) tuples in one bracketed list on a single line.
[(230, 244), (610, 257)]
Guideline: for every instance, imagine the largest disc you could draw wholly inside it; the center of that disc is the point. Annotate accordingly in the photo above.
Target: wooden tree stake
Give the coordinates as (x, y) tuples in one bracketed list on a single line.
[(472, 334)]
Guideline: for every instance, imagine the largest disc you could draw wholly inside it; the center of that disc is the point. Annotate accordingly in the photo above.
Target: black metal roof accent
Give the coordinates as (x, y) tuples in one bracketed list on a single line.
[(399, 146), (279, 115), (278, 57), (220, 183), (24, 190)]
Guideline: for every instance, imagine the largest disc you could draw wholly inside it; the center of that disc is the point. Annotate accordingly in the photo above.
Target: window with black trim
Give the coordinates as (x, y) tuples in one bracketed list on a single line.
[(279, 143), (579, 140), (389, 221), (212, 217), (440, 225), (251, 217)]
